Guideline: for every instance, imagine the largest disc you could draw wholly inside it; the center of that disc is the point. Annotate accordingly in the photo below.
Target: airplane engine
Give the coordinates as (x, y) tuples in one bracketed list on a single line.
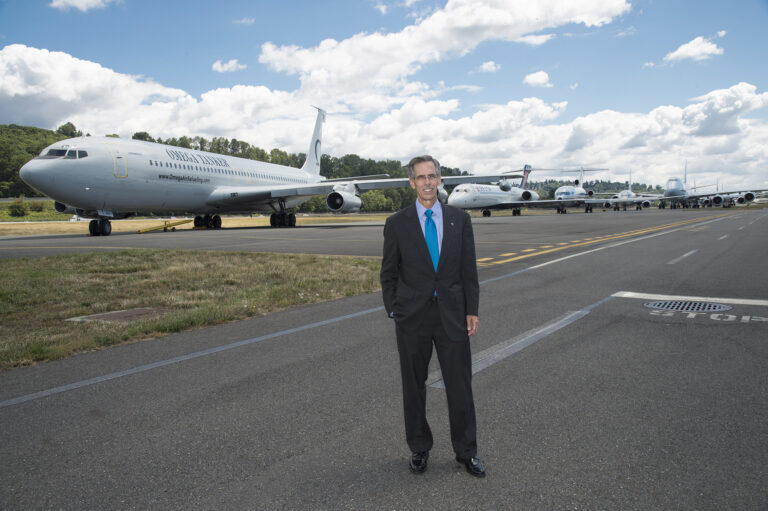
[(505, 185), (442, 195), (607, 205), (717, 200), (646, 204), (590, 193), (748, 197), (526, 195), (343, 201), (64, 208), (706, 202)]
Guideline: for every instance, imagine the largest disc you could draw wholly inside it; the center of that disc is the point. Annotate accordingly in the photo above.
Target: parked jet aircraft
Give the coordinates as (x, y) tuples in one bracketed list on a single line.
[(106, 178), (679, 195), (502, 195), (575, 195), (627, 197), (505, 196)]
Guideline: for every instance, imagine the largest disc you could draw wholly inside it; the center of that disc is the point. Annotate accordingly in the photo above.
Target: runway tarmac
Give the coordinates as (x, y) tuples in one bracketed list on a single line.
[(586, 397)]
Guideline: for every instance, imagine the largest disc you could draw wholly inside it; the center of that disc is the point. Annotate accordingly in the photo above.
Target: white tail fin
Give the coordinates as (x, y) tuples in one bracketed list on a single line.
[(312, 164)]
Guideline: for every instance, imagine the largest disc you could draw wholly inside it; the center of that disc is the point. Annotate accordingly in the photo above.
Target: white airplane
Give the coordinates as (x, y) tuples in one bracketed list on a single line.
[(106, 178), (627, 197), (575, 194), (505, 196), (679, 196), (502, 195)]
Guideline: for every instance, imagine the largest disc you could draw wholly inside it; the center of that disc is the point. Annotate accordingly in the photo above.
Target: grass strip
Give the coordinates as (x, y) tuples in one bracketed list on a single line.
[(194, 288)]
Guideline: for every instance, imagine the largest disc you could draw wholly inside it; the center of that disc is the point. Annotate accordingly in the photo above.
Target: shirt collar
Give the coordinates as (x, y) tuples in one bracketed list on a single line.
[(437, 210)]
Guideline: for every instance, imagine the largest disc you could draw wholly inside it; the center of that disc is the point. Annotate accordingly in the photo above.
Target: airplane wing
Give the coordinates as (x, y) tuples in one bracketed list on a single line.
[(712, 194), (250, 196), (542, 204)]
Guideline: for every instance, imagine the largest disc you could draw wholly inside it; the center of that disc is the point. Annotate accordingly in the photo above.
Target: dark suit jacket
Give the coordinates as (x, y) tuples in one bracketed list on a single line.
[(409, 280)]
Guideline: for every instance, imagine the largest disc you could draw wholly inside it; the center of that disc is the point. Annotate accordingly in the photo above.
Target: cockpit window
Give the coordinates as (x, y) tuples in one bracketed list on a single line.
[(71, 155), (82, 154), (53, 153)]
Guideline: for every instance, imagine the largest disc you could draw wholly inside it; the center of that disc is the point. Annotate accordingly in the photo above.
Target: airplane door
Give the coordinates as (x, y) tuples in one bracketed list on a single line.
[(119, 162)]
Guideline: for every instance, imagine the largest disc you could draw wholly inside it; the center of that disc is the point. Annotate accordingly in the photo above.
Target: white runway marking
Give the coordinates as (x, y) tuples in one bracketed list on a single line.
[(722, 237), (499, 352), (678, 259)]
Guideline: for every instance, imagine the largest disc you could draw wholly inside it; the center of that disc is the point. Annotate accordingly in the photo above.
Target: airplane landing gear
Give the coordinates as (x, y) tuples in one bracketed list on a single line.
[(208, 222), (486, 212), (102, 227), (282, 220)]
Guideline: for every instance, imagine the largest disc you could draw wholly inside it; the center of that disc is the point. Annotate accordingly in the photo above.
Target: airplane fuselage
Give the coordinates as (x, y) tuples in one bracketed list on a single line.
[(110, 177), (479, 196)]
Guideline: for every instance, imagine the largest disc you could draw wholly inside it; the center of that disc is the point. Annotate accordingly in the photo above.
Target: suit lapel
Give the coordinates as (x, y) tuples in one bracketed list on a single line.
[(413, 226), (449, 234)]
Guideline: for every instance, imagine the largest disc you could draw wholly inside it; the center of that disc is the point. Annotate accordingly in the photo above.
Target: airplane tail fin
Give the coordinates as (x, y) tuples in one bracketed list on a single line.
[(526, 171), (312, 163)]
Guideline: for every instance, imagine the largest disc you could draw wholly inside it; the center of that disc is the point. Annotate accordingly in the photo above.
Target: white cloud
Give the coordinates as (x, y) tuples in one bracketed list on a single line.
[(245, 21), (381, 7), (574, 86), (697, 49), (722, 33), (535, 40), (349, 73), (537, 79), (627, 32), (488, 67), (229, 66), (80, 5)]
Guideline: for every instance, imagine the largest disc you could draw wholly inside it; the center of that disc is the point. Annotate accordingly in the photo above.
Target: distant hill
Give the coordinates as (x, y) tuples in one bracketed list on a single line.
[(18, 145)]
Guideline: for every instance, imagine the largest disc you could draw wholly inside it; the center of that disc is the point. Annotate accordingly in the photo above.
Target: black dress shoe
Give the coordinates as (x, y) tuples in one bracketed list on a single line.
[(473, 465), (418, 462)]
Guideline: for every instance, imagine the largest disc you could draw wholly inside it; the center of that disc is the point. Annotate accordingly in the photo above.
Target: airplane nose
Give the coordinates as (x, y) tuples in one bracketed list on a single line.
[(30, 173)]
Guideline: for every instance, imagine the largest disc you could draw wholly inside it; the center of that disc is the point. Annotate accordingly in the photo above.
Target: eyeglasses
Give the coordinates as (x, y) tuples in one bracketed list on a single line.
[(422, 178)]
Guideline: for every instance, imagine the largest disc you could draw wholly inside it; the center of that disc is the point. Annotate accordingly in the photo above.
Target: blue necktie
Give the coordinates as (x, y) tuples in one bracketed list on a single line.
[(430, 234)]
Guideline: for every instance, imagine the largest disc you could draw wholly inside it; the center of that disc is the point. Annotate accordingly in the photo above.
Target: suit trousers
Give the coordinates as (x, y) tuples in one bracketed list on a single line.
[(455, 357)]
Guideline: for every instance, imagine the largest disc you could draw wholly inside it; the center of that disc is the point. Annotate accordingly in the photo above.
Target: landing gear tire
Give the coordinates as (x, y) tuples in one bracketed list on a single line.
[(486, 212), (101, 227), (282, 220)]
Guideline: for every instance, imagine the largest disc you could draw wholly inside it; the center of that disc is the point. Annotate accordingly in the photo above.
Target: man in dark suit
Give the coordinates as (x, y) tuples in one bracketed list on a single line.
[(430, 288)]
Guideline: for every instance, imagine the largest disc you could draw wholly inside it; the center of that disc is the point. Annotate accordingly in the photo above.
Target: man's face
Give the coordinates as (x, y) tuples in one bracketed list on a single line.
[(426, 182)]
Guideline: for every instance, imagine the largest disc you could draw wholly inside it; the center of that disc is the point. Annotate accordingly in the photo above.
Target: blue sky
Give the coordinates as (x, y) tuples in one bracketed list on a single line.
[(485, 86)]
